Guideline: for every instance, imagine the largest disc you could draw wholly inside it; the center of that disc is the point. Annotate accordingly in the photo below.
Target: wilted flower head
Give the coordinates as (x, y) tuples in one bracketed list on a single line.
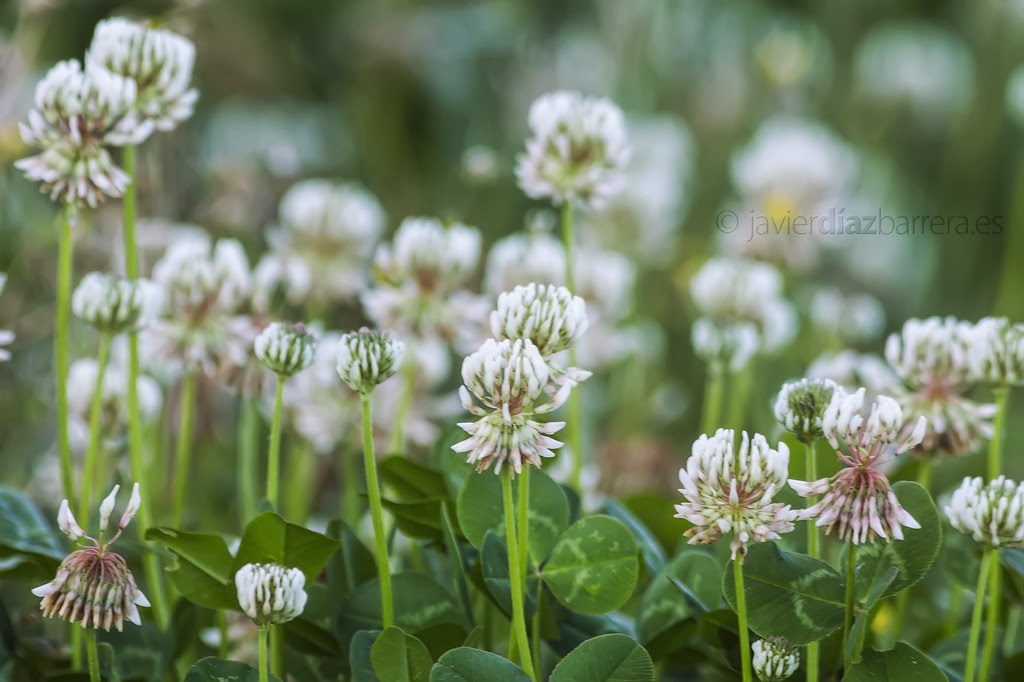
[(6, 336), (801, 405), (78, 114), (858, 502), (367, 358), (114, 305), (932, 353), (285, 349), (159, 62), (94, 585), (774, 660), (271, 594), (991, 514), (436, 257), (549, 316), (508, 378), (578, 150), (729, 492), (996, 352), (856, 318)]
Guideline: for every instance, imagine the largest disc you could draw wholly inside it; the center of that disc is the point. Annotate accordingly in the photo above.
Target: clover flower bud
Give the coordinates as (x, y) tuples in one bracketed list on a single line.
[(991, 514), (134, 504), (285, 349), (270, 594), (578, 150), (107, 508), (367, 358), (67, 523), (549, 316), (114, 305), (801, 405), (774, 660)]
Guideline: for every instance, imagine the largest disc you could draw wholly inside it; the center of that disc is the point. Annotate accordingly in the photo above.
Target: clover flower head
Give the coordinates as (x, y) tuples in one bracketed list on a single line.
[(801, 405), (774, 660), (114, 305), (285, 349), (94, 585), (271, 594), (436, 257), (956, 425), (523, 258), (549, 316), (855, 318), (199, 278), (997, 352), (882, 431), (932, 353), (728, 346), (730, 492), (77, 115), (367, 358), (992, 514), (159, 62), (578, 150)]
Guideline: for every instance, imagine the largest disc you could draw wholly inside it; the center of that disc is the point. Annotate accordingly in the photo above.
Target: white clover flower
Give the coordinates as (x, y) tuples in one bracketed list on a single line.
[(932, 353), (522, 258), (853, 370), (314, 406), (327, 236), (996, 352), (856, 318), (198, 277), (508, 378), (77, 115), (956, 425), (114, 305), (991, 514), (93, 584), (82, 376), (271, 594), (549, 316), (729, 492), (729, 346), (277, 279), (436, 257), (801, 405), (367, 358), (774, 660), (858, 502), (159, 62), (578, 150), (285, 349), (6, 335)]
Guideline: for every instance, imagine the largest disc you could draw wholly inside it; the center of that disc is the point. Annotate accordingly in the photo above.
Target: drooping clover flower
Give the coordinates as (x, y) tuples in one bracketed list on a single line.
[(285, 349), (996, 352), (774, 660), (158, 61), (503, 384), (271, 594), (367, 358), (114, 305), (577, 152), (800, 406), (6, 335), (935, 358), (991, 514), (857, 502), (78, 114), (729, 492), (321, 251), (94, 585)]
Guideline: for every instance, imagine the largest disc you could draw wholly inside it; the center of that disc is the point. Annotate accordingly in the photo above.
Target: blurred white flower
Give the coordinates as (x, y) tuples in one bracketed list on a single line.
[(78, 114), (316, 405), (158, 61), (855, 318), (114, 305), (522, 258), (991, 514), (853, 370), (996, 352), (728, 346), (6, 335), (437, 257), (82, 376), (577, 152), (480, 164)]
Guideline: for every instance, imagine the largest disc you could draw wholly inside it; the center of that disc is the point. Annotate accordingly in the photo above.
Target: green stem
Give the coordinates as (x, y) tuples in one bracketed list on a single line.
[(814, 551), (535, 631), (277, 651), (515, 577), (567, 242), (387, 607), (851, 592), (349, 487), (140, 473), (995, 446), (1012, 628), (248, 446), (264, 665), (92, 451), (991, 619), (397, 444), (741, 614), (574, 435), (523, 524), (925, 469), (300, 480), (93, 654), (979, 602), (222, 627), (183, 453), (274, 455), (713, 391), (60, 351), (739, 397)]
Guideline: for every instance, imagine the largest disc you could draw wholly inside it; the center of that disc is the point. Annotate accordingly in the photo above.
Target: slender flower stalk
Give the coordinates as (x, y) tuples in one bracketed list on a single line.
[(248, 447), (263, 634), (575, 422), (714, 390), (93, 655), (813, 551), (987, 564), (377, 516), (851, 597), (408, 376), (93, 449), (183, 452), (60, 364), (274, 451), (741, 615), (995, 466), (517, 585), (524, 522)]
